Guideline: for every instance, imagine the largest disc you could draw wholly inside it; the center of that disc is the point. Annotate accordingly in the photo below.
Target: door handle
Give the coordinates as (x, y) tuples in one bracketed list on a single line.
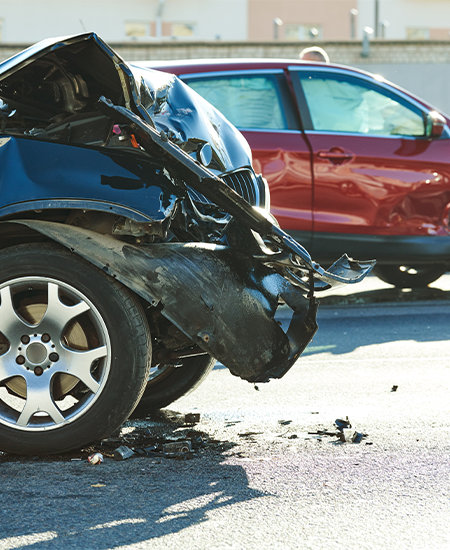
[(335, 155)]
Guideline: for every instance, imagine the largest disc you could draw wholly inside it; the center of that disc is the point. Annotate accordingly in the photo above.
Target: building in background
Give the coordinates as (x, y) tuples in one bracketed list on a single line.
[(346, 19), (27, 21), (406, 19), (299, 20)]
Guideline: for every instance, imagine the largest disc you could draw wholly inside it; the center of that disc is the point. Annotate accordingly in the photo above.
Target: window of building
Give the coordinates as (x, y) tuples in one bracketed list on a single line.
[(183, 30), (418, 34), (137, 29), (293, 31)]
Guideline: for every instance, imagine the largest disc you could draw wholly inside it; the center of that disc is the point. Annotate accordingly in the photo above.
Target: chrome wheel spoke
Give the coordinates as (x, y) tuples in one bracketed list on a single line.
[(58, 314), (79, 365), (10, 323), (39, 399), (8, 366)]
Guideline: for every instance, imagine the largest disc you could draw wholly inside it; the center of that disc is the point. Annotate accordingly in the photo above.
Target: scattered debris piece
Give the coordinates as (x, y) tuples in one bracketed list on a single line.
[(196, 440), (99, 485), (345, 432), (192, 418), (123, 453), (284, 422), (177, 447), (96, 458), (394, 388), (75, 459), (293, 436), (323, 432), (341, 424), (348, 435), (249, 434)]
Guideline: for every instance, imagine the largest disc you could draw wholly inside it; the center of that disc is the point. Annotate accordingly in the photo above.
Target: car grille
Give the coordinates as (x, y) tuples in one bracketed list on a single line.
[(245, 183)]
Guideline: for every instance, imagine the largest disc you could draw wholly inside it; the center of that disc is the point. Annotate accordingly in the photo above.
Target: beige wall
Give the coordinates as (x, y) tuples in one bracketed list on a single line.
[(332, 15)]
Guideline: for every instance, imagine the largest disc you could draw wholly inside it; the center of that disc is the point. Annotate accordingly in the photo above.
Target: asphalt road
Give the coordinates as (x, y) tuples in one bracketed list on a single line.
[(268, 477)]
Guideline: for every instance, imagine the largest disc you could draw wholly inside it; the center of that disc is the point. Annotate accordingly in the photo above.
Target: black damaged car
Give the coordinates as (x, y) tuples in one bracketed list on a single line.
[(136, 247)]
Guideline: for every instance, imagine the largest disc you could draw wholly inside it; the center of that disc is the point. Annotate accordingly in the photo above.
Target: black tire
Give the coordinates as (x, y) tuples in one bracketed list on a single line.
[(75, 351), (409, 276), (167, 384)]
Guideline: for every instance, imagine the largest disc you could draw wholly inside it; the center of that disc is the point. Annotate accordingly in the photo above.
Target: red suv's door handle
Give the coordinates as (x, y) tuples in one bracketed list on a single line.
[(335, 155)]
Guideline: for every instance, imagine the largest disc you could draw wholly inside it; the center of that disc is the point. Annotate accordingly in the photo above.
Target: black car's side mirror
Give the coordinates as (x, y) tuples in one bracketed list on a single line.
[(435, 124)]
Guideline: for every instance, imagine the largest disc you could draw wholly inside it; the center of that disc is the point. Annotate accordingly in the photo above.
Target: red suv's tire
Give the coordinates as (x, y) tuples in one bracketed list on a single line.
[(409, 276)]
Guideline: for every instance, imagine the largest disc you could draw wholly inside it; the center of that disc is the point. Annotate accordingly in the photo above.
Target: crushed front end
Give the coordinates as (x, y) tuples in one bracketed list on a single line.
[(134, 172)]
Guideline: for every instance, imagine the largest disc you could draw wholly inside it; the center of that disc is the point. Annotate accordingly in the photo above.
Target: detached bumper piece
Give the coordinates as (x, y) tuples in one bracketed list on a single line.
[(222, 299)]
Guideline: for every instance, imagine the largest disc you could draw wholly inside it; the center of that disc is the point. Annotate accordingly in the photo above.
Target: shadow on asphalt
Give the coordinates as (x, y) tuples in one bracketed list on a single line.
[(86, 506), (343, 330), (388, 296)]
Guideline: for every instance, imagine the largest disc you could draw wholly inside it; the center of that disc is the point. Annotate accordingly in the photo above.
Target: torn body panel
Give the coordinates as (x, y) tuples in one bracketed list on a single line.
[(50, 175), (222, 299)]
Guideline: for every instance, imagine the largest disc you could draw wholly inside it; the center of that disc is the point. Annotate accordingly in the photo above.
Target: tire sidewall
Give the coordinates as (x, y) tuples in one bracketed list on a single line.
[(124, 384)]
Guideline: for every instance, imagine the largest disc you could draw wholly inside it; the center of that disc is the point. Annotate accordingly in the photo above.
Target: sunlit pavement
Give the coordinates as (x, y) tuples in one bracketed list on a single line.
[(266, 479), (373, 290)]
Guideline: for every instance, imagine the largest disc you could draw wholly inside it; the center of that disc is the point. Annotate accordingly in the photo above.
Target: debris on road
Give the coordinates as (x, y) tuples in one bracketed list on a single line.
[(96, 458), (192, 418), (123, 453), (249, 434), (394, 388), (177, 447), (342, 424), (345, 432)]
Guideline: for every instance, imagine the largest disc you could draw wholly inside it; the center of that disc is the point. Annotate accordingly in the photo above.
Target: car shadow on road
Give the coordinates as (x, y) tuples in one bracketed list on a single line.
[(345, 324), (61, 503), (386, 296)]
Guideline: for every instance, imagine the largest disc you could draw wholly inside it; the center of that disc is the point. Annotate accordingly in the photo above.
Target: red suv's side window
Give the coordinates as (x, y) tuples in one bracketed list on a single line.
[(344, 104), (251, 102)]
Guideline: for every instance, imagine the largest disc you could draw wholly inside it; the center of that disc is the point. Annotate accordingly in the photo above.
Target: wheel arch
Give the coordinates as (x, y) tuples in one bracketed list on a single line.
[(13, 230)]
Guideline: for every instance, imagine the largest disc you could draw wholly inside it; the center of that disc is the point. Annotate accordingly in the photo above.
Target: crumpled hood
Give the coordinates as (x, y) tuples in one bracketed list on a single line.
[(186, 118)]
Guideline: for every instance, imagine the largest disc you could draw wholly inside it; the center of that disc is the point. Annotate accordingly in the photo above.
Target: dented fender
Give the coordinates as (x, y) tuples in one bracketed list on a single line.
[(223, 299)]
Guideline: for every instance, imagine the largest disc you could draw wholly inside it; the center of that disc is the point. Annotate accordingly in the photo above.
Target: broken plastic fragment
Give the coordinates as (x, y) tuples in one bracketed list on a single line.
[(123, 453), (192, 418), (177, 447), (341, 424), (96, 458)]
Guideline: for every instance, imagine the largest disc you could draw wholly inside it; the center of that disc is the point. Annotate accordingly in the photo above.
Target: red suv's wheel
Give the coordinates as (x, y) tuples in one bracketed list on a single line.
[(408, 276)]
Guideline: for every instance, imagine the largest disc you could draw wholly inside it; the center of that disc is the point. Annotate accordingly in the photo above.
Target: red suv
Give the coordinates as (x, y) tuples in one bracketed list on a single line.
[(354, 163)]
